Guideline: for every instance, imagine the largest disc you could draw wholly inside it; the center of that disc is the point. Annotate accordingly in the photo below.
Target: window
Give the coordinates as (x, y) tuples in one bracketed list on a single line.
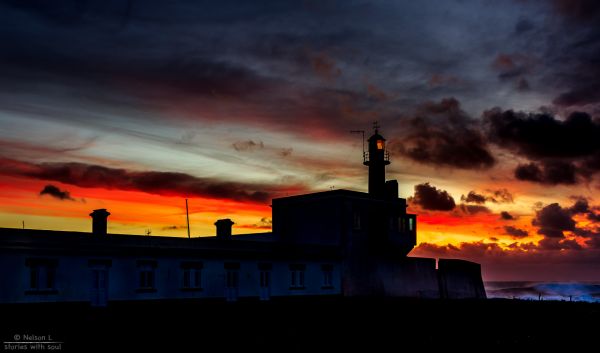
[(297, 276), (146, 276), (232, 274), (401, 224), (265, 275), (265, 279), (327, 271), (192, 275), (356, 220), (380, 144), (42, 276), (411, 224), (233, 279)]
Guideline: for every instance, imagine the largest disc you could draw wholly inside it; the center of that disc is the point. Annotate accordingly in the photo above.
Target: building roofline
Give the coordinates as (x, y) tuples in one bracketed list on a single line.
[(60, 242), (334, 194)]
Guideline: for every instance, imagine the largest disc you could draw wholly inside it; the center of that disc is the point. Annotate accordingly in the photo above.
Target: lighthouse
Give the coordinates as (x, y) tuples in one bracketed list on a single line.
[(376, 159)]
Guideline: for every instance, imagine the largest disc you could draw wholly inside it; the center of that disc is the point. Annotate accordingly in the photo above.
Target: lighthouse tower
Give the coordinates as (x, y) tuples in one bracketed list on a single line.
[(376, 159)]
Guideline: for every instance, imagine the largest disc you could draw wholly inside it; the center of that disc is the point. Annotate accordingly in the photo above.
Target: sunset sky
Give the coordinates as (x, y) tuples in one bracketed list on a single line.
[(491, 110)]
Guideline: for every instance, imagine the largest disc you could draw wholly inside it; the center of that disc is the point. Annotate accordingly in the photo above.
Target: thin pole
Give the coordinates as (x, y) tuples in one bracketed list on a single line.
[(187, 214), (363, 138)]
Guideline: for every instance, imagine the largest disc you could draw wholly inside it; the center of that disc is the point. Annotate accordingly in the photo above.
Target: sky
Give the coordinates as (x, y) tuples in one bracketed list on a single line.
[(491, 111)]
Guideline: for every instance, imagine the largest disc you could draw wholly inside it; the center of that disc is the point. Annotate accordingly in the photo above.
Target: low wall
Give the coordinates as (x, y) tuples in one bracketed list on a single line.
[(460, 279)]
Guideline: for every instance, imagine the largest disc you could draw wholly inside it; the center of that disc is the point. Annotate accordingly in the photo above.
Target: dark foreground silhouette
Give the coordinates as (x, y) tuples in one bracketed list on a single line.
[(306, 325)]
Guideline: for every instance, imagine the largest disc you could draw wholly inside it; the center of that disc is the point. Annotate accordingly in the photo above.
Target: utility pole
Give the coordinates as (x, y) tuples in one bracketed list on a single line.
[(187, 215)]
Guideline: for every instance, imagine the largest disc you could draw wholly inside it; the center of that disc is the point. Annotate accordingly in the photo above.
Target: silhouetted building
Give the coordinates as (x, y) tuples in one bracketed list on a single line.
[(338, 242)]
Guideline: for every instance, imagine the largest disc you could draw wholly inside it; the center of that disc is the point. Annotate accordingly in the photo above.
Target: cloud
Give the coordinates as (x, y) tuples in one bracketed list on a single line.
[(286, 152), (575, 67), (581, 205), (499, 196), (516, 232), (431, 198), (440, 80), (442, 134), (495, 196), (57, 193), (264, 223), (526, 261), (510, 66), (248, 145), (473, 197), (560, 150), (173, 227), (504, 215), (324, 66), (553, 221), (577, 9), (550, 172), (473, 209), (523, 25), (523, 85), (541, 135), (153, 182)]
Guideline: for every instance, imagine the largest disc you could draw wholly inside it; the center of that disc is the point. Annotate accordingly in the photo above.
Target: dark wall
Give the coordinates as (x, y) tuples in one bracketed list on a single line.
[(460, 279)]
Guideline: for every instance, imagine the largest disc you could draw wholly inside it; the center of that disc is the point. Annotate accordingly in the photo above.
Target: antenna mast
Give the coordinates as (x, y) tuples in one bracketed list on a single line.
[(363, 140), (187, 215)]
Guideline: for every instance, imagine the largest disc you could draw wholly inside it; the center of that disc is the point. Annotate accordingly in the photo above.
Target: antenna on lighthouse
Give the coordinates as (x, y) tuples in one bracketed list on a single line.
[(362, 132)]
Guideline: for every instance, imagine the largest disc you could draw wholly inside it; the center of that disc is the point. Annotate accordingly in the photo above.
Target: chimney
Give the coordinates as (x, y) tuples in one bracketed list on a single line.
[(224, 228), (99, 221)]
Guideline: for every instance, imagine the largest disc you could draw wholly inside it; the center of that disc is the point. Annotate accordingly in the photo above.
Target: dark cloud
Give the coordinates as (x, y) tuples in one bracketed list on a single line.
[(57, 193), (473, 209), (511, 66), (578, 9), (473, 197), (516, 232), (554, 243), (576, 64), (495, 196), (582, 95), (325, 66), (529, 172), (523, 85), (523, 25), (553, 220), (153, 182), (581, 205), (431, 198), (504, 215), (442, 134), (499, 196), (550, 172), (248, 145), (541, 135), (125, 57)]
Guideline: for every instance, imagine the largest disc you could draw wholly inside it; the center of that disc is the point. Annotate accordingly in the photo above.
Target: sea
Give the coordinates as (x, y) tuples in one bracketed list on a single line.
[(563, 291)]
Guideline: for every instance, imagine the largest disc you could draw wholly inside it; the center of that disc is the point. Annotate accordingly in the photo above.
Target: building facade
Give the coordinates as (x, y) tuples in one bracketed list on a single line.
[(338, 242)]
